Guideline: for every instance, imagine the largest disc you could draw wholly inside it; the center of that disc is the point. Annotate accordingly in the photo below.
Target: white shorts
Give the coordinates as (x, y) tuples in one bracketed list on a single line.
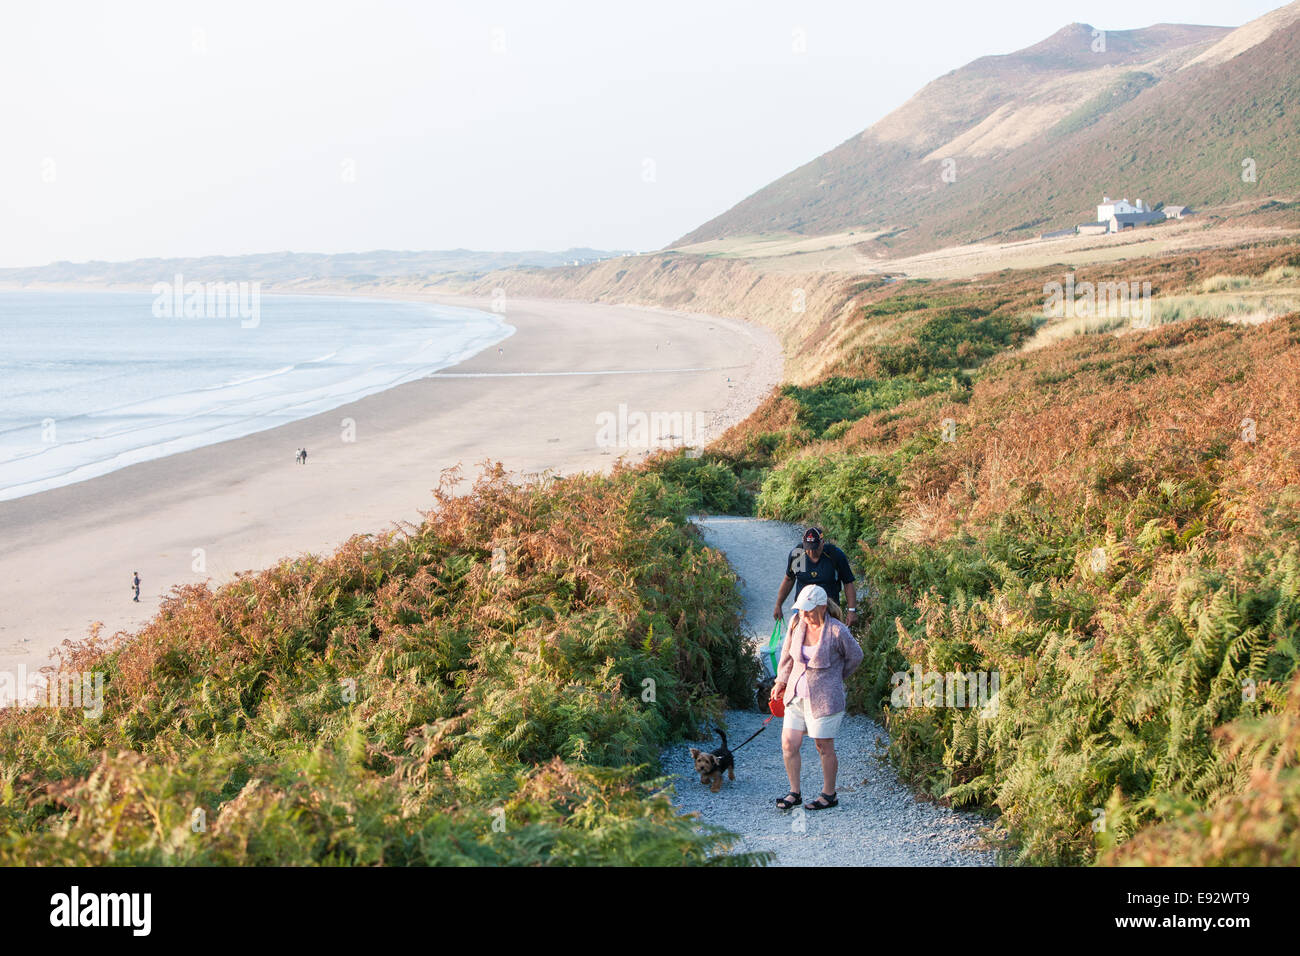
[(819, 728)]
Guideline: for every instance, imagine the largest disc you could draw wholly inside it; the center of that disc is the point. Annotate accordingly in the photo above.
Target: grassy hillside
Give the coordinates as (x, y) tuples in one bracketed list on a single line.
[(1108, 522), (403, 701), (1099, 530), (1031, 141)]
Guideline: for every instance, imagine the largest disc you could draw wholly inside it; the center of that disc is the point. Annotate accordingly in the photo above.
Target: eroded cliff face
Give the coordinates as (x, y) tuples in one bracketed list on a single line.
[(808, 311)]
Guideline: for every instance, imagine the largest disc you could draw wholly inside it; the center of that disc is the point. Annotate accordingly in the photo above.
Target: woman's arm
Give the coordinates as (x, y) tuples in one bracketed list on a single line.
[(852, 651), (786, 663)]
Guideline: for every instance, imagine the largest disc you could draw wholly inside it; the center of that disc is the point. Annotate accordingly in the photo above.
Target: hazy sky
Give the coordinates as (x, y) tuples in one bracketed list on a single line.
[(175, 128)]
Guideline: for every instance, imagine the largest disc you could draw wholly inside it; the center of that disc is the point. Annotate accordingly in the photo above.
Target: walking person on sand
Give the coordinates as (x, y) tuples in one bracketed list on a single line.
[(819, 654), (135, 583)]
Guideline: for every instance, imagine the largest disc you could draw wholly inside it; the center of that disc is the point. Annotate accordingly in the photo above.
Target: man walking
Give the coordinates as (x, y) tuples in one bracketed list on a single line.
[(135, 583), (814, 561)]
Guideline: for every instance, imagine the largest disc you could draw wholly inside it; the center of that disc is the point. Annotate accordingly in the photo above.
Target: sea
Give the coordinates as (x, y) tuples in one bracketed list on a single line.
[(91, 382)]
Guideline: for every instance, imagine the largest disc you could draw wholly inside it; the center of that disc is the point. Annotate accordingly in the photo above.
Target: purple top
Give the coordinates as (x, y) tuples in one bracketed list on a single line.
[(801, 685)]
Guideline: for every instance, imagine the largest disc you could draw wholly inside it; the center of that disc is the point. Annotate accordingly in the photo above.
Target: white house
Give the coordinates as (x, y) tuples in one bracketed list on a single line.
[(1110, 208)]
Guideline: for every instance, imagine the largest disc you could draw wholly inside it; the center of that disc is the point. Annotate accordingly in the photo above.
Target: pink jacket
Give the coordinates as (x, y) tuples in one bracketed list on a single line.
[(829, 665)]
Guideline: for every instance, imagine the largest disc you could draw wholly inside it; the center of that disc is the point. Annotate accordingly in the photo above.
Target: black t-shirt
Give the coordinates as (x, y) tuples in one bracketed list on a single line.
[(829, 572)]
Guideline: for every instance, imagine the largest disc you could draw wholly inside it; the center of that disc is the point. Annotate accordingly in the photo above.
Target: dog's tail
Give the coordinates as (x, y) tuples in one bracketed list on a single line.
[(723, 736)]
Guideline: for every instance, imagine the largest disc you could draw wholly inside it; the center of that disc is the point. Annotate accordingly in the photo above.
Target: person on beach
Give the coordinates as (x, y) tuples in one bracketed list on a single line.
[(304, 456), (135, 583), (819, 654), (814, 561)]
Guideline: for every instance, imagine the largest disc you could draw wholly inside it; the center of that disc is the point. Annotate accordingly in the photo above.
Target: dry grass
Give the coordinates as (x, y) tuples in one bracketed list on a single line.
[(1175, 237), (773, 245)]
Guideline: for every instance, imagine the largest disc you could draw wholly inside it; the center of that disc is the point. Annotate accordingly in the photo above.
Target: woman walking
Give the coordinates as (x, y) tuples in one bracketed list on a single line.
[(818, 655)]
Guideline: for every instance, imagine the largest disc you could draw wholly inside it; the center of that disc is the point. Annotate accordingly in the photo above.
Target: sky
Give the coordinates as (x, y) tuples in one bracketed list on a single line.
[(140, 129)]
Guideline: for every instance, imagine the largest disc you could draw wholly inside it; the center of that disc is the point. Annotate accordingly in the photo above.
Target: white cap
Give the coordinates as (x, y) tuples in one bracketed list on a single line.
[(810, 597)]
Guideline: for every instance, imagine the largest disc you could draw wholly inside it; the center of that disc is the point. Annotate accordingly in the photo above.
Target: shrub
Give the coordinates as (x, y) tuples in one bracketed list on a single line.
[(405, 701)]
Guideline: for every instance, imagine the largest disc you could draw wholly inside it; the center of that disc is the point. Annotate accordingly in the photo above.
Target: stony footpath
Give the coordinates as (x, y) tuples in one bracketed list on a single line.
[(879, 820)]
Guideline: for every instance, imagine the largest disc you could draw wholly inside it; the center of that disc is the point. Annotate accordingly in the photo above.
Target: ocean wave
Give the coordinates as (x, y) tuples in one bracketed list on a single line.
[(250, 378), (387, 344)]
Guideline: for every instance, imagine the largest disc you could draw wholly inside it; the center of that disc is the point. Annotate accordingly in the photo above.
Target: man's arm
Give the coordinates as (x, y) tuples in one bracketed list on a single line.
[(784, 592), (851, 601), (845, 573)]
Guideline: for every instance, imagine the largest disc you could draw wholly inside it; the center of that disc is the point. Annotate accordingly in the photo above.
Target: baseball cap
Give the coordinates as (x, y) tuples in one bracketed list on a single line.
[(810, 597), (812, 537)]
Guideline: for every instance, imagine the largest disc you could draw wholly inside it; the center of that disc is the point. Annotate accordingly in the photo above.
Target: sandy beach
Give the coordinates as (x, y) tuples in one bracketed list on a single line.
[(69, 553)]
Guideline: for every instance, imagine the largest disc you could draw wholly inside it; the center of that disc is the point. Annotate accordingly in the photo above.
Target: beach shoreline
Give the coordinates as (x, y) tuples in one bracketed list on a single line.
[(119, 411), (244, 504)]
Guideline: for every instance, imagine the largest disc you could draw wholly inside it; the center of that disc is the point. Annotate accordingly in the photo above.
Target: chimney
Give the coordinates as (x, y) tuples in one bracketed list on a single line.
[(1140, 207)]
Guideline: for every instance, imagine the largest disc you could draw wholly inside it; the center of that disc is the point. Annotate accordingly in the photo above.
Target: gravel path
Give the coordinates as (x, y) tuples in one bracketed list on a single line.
[(879, 822)]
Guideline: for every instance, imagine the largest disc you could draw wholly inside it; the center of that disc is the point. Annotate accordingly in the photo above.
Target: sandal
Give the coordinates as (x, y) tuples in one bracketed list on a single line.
[(790, 800), (824, 801)]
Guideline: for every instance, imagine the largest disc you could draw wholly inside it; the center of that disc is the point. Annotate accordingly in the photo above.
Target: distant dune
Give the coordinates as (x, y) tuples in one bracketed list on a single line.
[(288, 266)]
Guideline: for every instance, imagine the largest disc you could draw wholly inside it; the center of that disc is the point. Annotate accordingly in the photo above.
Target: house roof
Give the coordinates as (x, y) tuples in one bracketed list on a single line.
[(1137, 218)]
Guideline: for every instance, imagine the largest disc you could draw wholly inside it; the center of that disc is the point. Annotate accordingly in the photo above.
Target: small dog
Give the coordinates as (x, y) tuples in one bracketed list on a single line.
[(711, 765)]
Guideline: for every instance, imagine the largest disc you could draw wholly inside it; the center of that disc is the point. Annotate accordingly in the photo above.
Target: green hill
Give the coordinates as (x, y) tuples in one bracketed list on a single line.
[(1010, 146)]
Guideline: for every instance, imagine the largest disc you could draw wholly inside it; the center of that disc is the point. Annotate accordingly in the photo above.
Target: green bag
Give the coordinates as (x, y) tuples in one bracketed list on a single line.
[(774, 644)]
